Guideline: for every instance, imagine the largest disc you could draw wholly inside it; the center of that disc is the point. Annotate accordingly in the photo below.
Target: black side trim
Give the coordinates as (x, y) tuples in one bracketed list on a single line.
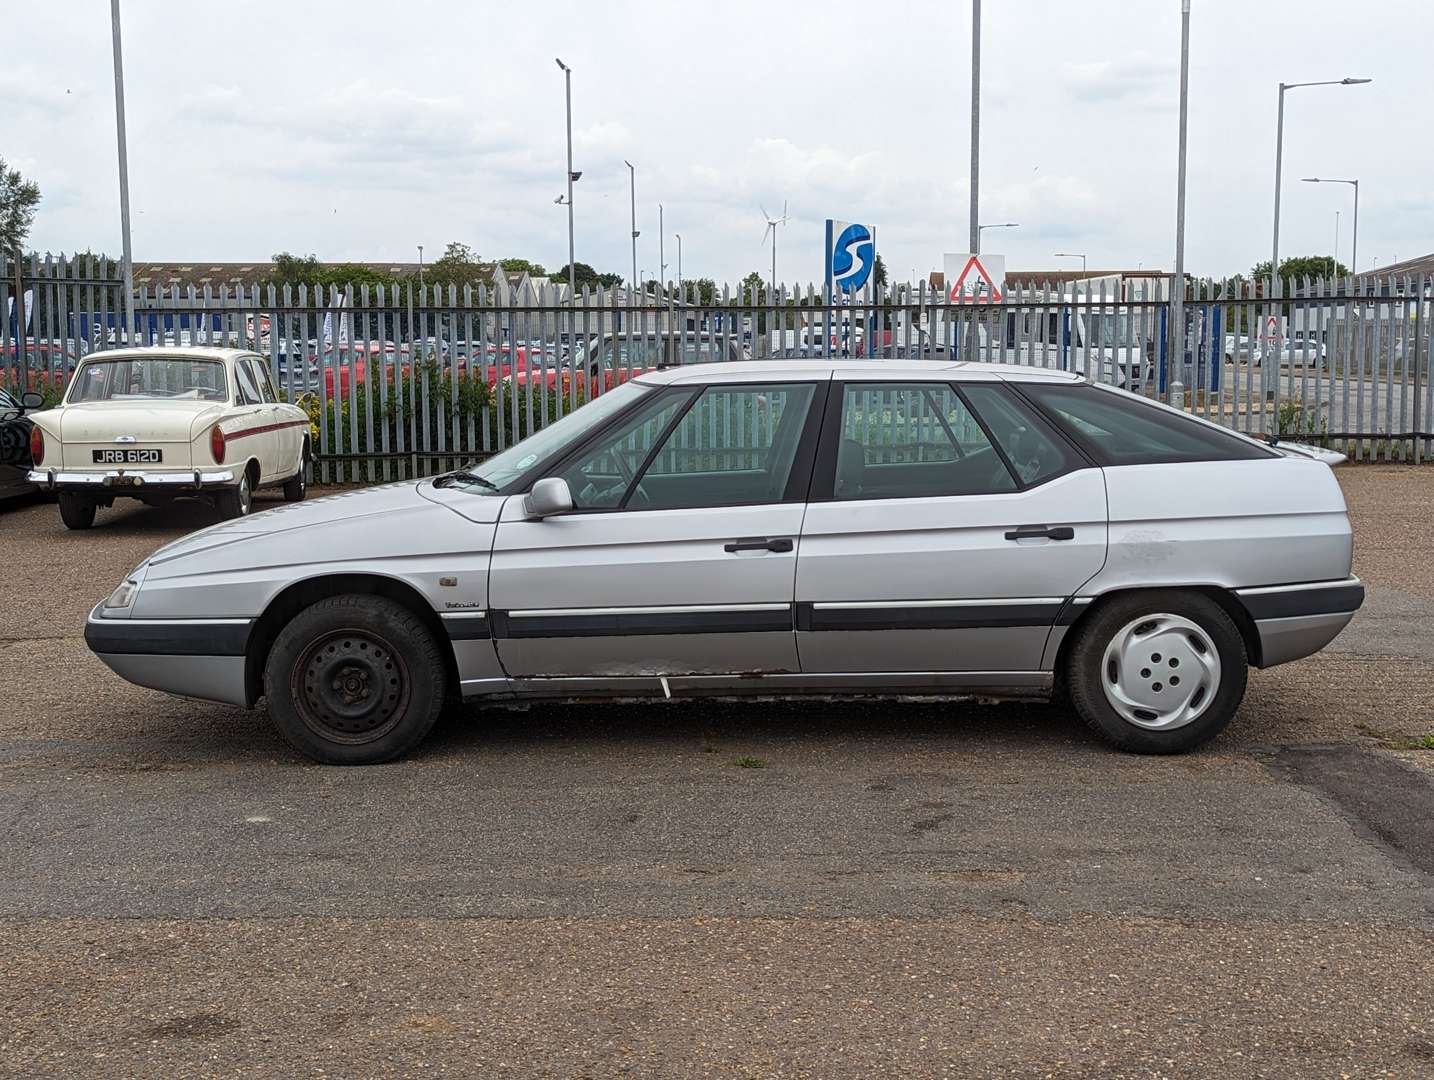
[(1071, 611), (467, 629), (138, 637), (507, 625), (896, 617), (1329, 600)]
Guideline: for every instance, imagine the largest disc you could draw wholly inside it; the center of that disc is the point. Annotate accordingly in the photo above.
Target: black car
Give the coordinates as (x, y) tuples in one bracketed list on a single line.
[(15, 442)]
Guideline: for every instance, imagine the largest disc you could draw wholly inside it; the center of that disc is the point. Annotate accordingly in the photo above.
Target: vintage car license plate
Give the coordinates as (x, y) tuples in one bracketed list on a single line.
[(128, 457)]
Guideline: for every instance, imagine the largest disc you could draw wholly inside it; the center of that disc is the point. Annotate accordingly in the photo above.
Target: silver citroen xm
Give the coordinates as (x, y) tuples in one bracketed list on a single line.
[(775, 528)]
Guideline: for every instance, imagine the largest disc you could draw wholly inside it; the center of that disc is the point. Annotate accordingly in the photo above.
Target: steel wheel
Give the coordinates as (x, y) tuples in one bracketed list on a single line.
[(351, 686), (1160, 671)]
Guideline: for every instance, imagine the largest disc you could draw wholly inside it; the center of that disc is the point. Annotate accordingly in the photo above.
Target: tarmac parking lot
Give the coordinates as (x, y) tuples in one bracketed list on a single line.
[(808, 889)]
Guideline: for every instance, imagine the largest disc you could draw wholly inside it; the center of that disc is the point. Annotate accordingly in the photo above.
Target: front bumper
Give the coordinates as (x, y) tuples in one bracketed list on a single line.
[(195, 658), (130, 481)]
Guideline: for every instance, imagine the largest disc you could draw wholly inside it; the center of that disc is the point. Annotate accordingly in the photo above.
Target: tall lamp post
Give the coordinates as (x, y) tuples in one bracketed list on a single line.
[(1279, 160), (661, 242), (572, 176), (1072, 255), (128, 266), (1001, 225), (1354, 252), (975, 124), (1177, 289), (632, 190)]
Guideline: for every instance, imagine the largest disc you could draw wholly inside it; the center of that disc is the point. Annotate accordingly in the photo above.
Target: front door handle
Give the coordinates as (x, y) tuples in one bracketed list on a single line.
[(759, 543), (1041, 532)]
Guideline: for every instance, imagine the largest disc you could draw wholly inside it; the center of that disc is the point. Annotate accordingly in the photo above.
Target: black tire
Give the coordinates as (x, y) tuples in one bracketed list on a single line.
[(236, 502), (355, 680), (1087, 673), (296, 487), (76, 511)]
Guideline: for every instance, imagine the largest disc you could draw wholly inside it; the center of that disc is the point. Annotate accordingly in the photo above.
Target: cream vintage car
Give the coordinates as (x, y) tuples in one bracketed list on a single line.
[(156, 424)]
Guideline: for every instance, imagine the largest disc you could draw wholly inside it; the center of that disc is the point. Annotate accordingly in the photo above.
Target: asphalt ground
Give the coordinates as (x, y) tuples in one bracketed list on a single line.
[(883, 889)]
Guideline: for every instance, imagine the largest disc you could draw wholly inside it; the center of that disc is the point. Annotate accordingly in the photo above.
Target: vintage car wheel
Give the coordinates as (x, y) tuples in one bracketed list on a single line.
[(237, 501), (76, 511), (296, 487), (354, 680), (1157, 672)]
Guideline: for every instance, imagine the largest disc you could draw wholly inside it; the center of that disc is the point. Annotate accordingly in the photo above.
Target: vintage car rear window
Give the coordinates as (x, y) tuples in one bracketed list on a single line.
[(147, 378)]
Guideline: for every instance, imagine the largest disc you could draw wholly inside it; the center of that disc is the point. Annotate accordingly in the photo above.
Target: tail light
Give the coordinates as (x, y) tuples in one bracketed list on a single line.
[(37, 445), (216, 444)]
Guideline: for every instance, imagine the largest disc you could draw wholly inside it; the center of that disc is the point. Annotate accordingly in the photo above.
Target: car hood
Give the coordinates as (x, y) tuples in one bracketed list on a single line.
[(1305, 450), (411, 512), (149, 421)]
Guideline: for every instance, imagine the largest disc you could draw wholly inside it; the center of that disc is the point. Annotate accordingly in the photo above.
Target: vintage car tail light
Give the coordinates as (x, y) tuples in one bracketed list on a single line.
[(216, 444), (37, 446)]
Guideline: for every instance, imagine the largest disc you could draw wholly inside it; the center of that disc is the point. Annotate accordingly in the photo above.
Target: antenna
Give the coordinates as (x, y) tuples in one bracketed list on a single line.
[(771, 229)]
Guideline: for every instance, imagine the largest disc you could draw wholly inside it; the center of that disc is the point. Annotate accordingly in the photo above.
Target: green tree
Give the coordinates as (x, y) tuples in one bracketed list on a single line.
[(459, 265), (586, 277), (523, 266), (19, 199), (1299, 267), (879, 272)]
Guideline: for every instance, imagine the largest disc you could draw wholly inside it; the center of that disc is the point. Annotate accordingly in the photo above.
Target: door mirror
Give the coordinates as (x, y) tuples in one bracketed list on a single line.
[(31, 401), (549, 496)]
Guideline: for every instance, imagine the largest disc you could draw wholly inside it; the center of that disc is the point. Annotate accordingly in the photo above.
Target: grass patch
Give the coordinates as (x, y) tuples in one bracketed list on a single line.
[(748, 762)]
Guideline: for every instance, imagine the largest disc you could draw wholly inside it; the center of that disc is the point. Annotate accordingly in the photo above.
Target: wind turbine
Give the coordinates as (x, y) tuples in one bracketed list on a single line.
[(772, 224)]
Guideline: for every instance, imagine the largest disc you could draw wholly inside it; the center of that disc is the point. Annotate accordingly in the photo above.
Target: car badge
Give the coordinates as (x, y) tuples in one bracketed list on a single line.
[(125, 439)]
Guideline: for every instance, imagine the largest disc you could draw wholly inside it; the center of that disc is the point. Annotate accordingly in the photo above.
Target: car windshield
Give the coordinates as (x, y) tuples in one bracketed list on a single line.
[(500, 470), (136, 378)]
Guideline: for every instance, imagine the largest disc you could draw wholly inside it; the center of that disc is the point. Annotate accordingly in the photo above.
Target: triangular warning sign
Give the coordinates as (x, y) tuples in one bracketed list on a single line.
[(982, 290)]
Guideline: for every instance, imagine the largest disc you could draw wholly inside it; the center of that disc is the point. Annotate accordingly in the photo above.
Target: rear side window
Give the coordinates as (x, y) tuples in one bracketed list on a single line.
[(1119, 429), (1036, 453)]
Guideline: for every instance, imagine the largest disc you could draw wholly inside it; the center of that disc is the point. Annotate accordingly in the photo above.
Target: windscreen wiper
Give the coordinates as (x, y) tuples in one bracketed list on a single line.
[(464, 476)]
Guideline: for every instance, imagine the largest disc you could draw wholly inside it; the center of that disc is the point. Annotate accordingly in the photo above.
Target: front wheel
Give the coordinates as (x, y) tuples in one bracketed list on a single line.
[(355, 680), (1157, 672)]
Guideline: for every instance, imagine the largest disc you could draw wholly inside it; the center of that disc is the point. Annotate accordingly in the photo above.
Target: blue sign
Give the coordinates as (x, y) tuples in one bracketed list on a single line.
[(851, 255)]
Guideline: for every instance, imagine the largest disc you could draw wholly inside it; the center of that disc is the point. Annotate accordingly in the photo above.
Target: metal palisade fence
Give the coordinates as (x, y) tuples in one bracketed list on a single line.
[(406, 381)]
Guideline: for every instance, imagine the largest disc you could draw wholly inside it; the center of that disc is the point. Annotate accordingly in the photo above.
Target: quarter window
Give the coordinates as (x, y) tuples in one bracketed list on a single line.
[(1120, 429), (261, 377), (913, 440), (1035, 453), (248, 388)]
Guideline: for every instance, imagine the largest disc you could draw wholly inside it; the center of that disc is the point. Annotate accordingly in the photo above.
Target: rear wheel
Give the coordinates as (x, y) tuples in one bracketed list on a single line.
[(354, 680), (1157, 672), (296, 487), (236, 502), (76, 511)]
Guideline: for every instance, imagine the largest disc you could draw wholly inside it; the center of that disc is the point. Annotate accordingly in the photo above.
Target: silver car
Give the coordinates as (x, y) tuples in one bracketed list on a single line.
[(775, 528)]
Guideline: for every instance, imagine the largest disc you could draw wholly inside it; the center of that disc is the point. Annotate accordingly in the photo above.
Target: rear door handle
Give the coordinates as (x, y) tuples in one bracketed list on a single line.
[(1041, 532), (759, 543)]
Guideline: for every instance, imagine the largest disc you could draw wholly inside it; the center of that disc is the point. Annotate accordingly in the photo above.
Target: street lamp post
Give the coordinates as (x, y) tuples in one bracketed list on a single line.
[(1001, 225), (128, 265), (1177, 289), (661, 247), (975, 124), (679, 264), (1279, 161), (632, 190), (572, 176), (1072, 255), (1354, 252)]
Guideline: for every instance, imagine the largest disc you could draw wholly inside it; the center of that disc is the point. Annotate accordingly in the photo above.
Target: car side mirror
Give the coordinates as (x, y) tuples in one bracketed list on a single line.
[(30, 401), (550, 496)]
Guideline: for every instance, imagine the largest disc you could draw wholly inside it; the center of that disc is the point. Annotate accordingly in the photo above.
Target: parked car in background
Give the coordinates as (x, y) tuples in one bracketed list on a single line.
[(1292, 352), (156, 424), (15, 428), (612, 359), (773, 528)]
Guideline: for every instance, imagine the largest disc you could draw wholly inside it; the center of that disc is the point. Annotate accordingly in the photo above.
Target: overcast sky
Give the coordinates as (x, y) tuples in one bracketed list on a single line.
[(358, 130)]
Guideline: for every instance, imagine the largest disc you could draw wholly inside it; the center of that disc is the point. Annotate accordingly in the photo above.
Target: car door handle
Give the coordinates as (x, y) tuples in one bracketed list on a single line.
[(759, 543), (1041, 532)]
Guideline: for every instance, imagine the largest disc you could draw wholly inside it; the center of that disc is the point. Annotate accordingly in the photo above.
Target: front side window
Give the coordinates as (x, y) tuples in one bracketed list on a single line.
[(601, 475), (913, 440), (1118, 428), (248, 388), (736, 446), (261, 377)]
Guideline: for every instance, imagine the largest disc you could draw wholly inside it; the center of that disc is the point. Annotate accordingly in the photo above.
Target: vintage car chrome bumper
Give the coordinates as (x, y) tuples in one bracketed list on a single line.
[(122, 479)]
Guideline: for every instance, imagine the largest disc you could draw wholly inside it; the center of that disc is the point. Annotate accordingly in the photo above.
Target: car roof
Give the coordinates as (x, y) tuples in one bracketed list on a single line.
[(841, 368), (194, 352)]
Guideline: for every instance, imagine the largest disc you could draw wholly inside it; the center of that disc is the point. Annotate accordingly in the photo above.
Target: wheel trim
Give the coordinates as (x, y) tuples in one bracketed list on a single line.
[(350, 686), (245, 495), (1160, 671)]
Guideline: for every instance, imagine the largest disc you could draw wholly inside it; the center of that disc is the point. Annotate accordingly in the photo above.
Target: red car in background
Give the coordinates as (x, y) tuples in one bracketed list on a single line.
[(612, 359)]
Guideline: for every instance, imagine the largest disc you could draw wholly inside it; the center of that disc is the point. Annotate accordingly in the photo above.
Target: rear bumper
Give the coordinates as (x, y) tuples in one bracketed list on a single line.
[(1295, 621), (195, 658), (130, 481)]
